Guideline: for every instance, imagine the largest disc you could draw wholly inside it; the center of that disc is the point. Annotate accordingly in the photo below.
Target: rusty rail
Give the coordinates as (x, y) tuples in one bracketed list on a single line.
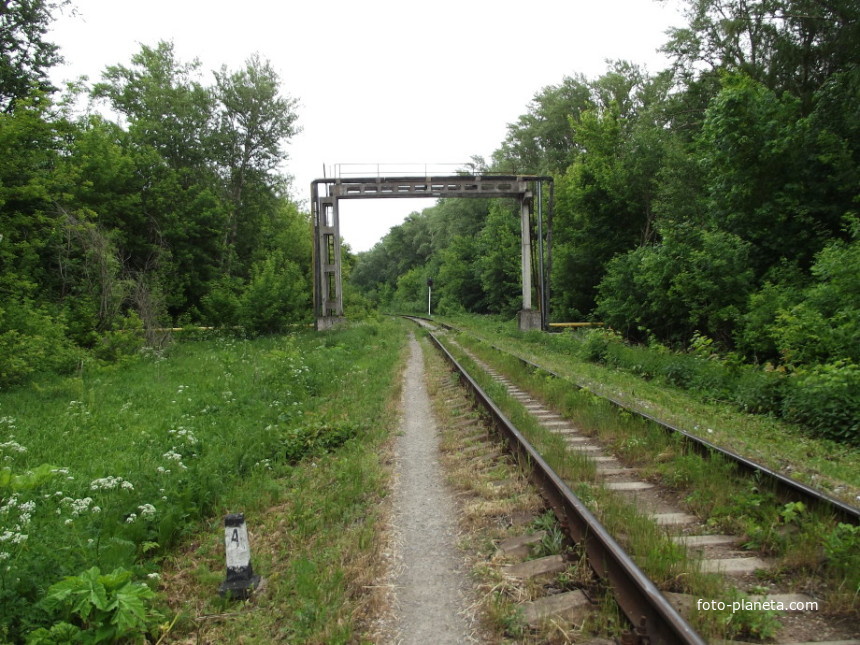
[(787, 486), (655, 620)]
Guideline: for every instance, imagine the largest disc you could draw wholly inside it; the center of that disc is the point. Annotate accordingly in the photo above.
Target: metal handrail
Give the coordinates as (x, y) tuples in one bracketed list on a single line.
[(379, 170)]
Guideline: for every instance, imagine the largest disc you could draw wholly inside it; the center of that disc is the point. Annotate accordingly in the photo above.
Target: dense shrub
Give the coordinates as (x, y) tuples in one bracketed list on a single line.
[(692, 280), (679, 373), (759, 391), (32, 341), (596, 343), (825, 325), (411, 293), (128, 340), (756, 336), (220, 306), (276, 296), (826, 399)]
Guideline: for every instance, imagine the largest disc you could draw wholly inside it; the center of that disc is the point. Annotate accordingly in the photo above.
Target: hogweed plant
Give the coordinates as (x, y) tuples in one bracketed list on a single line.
[(94, 608)]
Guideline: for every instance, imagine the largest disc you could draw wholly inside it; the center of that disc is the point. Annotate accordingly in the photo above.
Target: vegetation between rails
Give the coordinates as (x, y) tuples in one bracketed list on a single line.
[(797, 536), (112, 468), (641, 378), (496, 501)]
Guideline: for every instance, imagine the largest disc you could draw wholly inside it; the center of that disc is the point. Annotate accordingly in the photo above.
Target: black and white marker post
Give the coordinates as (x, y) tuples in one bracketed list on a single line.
[(241, 580)]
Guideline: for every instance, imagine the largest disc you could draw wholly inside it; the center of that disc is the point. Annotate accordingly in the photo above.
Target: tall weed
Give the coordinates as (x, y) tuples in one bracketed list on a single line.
[(824, 399), (111, 467)]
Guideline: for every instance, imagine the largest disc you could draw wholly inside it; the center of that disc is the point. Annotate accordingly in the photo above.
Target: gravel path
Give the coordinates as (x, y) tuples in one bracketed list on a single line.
[(429, 583)]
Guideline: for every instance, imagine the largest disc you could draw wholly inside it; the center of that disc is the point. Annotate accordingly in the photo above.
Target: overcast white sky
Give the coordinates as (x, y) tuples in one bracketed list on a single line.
[(381, 82)]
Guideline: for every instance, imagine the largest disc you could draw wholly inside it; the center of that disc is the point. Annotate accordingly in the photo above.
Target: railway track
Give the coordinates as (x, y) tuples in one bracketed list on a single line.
[(655, 614)]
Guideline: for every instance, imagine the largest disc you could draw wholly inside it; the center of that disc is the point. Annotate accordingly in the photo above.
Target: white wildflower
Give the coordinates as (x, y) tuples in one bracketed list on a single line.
[(79, 506), (12, 446), (9, 505), (184, 434), (110, 483), (147, 511)]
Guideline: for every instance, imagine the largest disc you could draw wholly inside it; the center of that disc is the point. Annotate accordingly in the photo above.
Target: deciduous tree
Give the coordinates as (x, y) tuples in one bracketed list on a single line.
[(25, 54), (255, 122)]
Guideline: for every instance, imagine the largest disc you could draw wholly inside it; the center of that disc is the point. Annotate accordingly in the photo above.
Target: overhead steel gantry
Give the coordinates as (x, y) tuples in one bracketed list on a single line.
[(328, 294)]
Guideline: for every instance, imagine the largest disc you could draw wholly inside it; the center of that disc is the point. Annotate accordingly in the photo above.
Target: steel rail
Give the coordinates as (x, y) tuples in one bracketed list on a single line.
[(655, 620), (786, 485)]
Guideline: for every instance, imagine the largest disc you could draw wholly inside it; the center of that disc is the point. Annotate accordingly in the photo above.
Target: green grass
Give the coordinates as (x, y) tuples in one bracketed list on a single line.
[(144, 452), (822, 463), (731, 501)]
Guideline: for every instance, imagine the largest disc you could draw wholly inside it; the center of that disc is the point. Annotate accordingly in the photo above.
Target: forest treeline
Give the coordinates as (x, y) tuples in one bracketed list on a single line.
[(145, 199), (713, 202)]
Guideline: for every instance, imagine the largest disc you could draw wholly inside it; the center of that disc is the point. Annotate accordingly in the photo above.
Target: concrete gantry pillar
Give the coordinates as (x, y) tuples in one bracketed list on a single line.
[(528, 318), (526, 244), (329, 287)]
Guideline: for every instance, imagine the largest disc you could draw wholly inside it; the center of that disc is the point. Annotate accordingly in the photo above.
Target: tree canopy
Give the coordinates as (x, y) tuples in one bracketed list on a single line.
[(702, 199), (176, 212), (25, 55)]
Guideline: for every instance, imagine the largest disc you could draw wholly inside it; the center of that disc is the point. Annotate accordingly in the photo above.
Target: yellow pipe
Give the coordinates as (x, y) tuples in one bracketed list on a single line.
[(578, 324)]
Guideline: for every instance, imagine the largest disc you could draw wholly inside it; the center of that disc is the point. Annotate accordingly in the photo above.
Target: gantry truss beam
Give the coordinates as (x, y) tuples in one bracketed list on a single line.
[(437, 187)]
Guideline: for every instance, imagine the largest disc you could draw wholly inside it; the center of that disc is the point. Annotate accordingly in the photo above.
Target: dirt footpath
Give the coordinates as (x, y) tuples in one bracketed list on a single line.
[(429, 585)]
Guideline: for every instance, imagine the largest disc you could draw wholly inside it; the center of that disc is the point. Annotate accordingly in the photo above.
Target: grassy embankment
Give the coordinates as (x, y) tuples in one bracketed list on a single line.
[(132, 467), (797, 537), (828, 465)]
